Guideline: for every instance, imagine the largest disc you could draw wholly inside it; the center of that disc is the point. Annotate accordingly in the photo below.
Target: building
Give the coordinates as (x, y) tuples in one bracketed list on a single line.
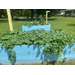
[(69, 12), (62, 12)]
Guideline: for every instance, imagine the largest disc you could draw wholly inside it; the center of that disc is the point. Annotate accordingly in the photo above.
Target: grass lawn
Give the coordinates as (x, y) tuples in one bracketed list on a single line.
[(66, 23), (17, 24)]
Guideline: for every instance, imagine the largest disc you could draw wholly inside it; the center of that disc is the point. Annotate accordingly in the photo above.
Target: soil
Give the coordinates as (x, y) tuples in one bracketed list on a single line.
[(70, 61), (52, 63)]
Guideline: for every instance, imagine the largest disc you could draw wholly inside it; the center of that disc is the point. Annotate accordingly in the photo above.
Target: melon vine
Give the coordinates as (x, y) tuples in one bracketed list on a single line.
[(54, 40)]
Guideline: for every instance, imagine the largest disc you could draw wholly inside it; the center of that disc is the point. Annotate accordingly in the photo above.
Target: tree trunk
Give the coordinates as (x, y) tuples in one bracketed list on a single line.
[(31, 14), (12, 17), (0, 16)]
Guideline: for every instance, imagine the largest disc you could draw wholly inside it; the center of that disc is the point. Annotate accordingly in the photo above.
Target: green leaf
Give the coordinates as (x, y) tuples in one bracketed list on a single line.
[(9, 49), (74, 49), (45, 48), (35, 42), (47, 44), (48, 55), (13, 52), (70, 51), (59, 55), (70, 44), (40, 47), (41, 42), (29, 52)]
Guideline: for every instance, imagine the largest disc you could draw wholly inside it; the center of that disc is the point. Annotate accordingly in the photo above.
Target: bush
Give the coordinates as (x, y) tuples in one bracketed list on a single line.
[(3, 12), (35, 23), (16, 18), (41, 20), (26, 12)]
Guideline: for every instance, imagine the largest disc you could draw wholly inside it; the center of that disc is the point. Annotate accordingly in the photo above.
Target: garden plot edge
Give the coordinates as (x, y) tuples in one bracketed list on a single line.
[(32, 54)]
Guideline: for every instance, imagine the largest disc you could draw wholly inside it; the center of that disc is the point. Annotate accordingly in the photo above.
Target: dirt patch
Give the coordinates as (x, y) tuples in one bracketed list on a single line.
[(70, 62), (33, 64)]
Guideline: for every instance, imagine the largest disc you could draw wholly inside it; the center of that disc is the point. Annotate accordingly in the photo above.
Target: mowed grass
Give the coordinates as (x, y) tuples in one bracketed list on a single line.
[(66, 23), (17, 24)]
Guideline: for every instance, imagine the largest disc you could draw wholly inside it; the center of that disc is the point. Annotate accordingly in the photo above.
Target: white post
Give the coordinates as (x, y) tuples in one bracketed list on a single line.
[(9, 19)]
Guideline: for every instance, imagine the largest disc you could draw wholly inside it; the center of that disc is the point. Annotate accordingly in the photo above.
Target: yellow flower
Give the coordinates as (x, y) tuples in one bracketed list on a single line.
[(9, 46), (59, 52), (11, 55)]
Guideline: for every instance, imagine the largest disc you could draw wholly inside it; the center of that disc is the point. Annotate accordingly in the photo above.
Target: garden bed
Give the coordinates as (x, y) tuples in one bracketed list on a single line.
[(28, 28), (32, 54), (36, 25), (36, 46)]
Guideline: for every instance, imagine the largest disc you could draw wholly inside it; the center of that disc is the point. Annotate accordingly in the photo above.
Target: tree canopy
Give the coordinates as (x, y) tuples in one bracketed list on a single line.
[(26, 12), (3, 12), (29, 12)]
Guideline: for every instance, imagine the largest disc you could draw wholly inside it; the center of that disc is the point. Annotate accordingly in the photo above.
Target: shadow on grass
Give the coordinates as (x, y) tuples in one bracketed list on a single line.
[(52, 19), (15, 19), (3, 21), (24, 19), (71, 24)]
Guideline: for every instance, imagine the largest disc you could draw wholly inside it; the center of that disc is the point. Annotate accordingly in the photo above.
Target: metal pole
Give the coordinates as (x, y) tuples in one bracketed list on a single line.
[(9, 19), (47, 15)]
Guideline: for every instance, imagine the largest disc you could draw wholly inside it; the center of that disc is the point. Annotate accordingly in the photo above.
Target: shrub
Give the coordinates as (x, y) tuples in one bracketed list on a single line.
[(26, 12), (41, 20), (35, 23)]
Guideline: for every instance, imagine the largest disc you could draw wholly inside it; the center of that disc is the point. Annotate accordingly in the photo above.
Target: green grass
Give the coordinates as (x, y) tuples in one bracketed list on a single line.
[(4, 25), (66, 23)]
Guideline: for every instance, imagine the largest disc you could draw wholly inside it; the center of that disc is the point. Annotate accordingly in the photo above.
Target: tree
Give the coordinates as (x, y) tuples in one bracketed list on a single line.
[(3, 12), (26, 12), (32, 14), (53, 12), (37, 12), (16, 12), (20, 12), (13, 13)]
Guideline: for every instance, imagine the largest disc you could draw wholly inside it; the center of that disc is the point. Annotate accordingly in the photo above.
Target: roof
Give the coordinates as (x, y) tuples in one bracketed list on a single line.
[(61, 11), (69, 9)]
